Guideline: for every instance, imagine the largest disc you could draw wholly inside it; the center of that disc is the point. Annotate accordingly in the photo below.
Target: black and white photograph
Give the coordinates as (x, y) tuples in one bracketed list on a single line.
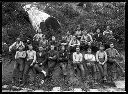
[(63, 46)]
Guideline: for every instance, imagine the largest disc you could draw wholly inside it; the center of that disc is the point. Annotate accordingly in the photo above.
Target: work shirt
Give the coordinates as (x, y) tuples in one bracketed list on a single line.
[(68, 38), (77, 57), (101, 56), (43, 43), (98, 37), (53, 54), (74, 42), (41, 57), (53, 42), (19, 54), (37, 37), (89, 57), (78, 33), (108, 34), (16, 45), (31, 55), (63, 55), (86, 38), (112, 52)]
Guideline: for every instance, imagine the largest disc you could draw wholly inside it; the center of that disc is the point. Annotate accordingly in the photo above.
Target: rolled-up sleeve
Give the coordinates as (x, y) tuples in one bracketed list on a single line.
[(34, 60), (81, 57)]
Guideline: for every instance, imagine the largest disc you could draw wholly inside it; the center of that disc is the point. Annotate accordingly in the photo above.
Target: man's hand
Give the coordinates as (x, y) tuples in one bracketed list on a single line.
[(32, 64), (100, 63), (50, 57), (41, 63), (103, 63)]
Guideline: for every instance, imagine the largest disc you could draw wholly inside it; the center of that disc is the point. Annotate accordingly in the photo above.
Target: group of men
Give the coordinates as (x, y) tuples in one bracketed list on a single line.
[(42, 55)]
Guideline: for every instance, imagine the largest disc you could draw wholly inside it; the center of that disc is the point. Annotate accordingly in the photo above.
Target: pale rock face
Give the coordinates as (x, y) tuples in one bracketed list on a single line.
[(36, 16)]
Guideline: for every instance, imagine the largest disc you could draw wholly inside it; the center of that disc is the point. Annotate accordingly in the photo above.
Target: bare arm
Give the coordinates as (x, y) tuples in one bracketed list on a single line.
[(16, 55), (81, 57), (12, 46), (34, 60), (117, 53), (74, 59), (105, 57), (97, 59)]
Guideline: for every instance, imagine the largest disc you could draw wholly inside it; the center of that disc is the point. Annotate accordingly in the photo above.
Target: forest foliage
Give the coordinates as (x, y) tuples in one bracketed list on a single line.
[(90, 15)]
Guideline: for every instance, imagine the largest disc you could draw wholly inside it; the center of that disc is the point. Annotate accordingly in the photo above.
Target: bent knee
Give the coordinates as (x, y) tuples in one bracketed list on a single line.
[(36, 66)]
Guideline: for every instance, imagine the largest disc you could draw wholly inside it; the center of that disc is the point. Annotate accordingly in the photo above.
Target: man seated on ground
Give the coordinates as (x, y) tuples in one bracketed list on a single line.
[(90, 61), (86, 40), (113, 55), (73, 44), (101, 58), (31, 59), (41, 60), (52, 60), (63, 59), (20, 62), (77, 62)]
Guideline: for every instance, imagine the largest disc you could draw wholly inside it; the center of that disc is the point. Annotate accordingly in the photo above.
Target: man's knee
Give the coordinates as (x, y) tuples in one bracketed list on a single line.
[(36, 66)]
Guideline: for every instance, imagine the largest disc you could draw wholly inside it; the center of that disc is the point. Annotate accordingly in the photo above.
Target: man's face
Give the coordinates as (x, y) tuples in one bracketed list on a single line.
[(52, 47), (18, 39), (30, 47), (111, 46), (98, 30), (89, 51), (20, 48), (40, 48), (108, 27), (77, 50), (63, 48), (102, 48), (53, 38)]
